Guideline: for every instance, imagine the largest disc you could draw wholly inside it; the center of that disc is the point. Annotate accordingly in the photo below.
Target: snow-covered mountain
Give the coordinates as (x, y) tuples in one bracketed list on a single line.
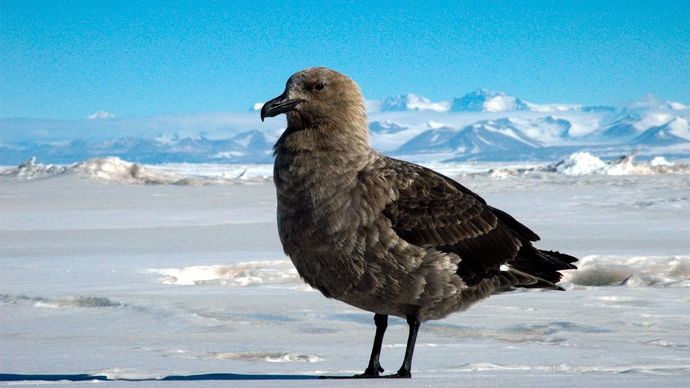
[(676, 131), (548, 129), (385, 127), (620, 130), (247, 147), (652, 102), (412, 102), (484, 100), (677, 105), (559, 108), (485, 137)]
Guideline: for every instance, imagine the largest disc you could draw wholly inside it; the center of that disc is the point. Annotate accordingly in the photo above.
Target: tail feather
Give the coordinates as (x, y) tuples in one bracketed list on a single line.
[(543, 265)]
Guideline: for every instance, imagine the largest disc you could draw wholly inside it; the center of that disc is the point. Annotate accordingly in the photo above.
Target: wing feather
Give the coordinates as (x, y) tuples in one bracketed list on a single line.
[(432, 210)]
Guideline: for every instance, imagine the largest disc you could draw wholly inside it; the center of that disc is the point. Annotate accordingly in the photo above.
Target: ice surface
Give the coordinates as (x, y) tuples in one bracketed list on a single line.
[(145, 281)]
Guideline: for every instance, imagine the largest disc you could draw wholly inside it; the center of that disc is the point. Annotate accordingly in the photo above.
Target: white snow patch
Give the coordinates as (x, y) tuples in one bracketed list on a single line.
[(413, 102), (550, 108), (277, 272), (584, 163), (263, 356), (581, 163), (578, 369), (116, 170), (228, 154), (435, 124), (652, 119), (677, 105), (680, 127), (500, 104), (659, 161)]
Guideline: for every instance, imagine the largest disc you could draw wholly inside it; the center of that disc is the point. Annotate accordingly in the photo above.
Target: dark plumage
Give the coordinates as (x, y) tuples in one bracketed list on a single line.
[(385, 235)]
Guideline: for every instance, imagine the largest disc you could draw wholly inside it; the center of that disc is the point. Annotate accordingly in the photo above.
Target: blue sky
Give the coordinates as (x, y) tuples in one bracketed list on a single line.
[(66, 60)]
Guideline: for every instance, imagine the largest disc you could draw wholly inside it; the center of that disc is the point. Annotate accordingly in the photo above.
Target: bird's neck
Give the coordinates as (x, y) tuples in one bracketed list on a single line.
[(349, 136), (331, 155)]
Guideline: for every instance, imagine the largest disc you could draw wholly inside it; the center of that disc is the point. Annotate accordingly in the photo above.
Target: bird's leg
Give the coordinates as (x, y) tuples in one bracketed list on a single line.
[(404, 370), (374, 367)]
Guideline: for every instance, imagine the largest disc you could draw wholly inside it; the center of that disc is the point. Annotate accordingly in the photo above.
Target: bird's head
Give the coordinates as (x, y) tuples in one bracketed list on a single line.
[(318, 97)]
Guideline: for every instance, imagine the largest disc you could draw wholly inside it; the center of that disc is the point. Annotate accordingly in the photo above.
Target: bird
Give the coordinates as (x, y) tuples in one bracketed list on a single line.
[(385, 235)]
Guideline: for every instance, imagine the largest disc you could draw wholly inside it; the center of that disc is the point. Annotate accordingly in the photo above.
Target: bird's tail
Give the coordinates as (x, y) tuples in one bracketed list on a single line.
[(543, 265)]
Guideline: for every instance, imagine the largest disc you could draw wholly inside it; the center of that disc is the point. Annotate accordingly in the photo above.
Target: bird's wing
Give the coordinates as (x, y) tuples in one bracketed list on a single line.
[(432, 210)]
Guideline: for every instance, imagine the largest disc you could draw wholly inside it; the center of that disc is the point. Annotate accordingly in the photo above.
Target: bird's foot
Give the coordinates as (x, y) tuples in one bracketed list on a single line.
[(370, 373)]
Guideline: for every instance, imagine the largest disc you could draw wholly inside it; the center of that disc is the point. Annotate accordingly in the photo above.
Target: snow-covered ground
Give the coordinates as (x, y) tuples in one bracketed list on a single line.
[(120, 277)]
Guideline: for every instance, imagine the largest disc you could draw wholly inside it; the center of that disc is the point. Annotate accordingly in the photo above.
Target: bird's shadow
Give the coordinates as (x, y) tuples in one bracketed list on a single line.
[(13, 377)]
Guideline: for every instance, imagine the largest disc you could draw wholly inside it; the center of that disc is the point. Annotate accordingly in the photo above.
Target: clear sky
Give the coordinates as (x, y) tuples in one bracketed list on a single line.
[(68, 59)]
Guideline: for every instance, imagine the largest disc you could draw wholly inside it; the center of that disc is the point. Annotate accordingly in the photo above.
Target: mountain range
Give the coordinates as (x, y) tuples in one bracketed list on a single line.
[(483, 100), (481, 125)]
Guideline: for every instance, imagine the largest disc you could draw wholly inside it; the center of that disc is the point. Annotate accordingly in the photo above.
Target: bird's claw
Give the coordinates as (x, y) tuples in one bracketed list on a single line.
[(401, 374), (370, 373)]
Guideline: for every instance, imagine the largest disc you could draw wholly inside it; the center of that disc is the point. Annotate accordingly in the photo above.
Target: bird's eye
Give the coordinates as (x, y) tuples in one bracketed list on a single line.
[(319, 86)]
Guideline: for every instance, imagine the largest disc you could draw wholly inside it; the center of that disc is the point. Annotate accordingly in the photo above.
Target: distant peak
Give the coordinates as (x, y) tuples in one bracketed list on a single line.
[(412, 102), (677, 105), (485, 100), (485, 92), (680, 125), (651, 102), (100, 115)]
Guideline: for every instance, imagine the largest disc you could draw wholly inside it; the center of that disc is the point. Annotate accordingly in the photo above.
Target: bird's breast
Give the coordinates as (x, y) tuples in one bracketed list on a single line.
[(321, 209), (312, 196)]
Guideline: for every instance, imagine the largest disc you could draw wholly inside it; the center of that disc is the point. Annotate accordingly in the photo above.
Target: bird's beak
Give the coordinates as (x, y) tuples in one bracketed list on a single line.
[(278, 105)]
